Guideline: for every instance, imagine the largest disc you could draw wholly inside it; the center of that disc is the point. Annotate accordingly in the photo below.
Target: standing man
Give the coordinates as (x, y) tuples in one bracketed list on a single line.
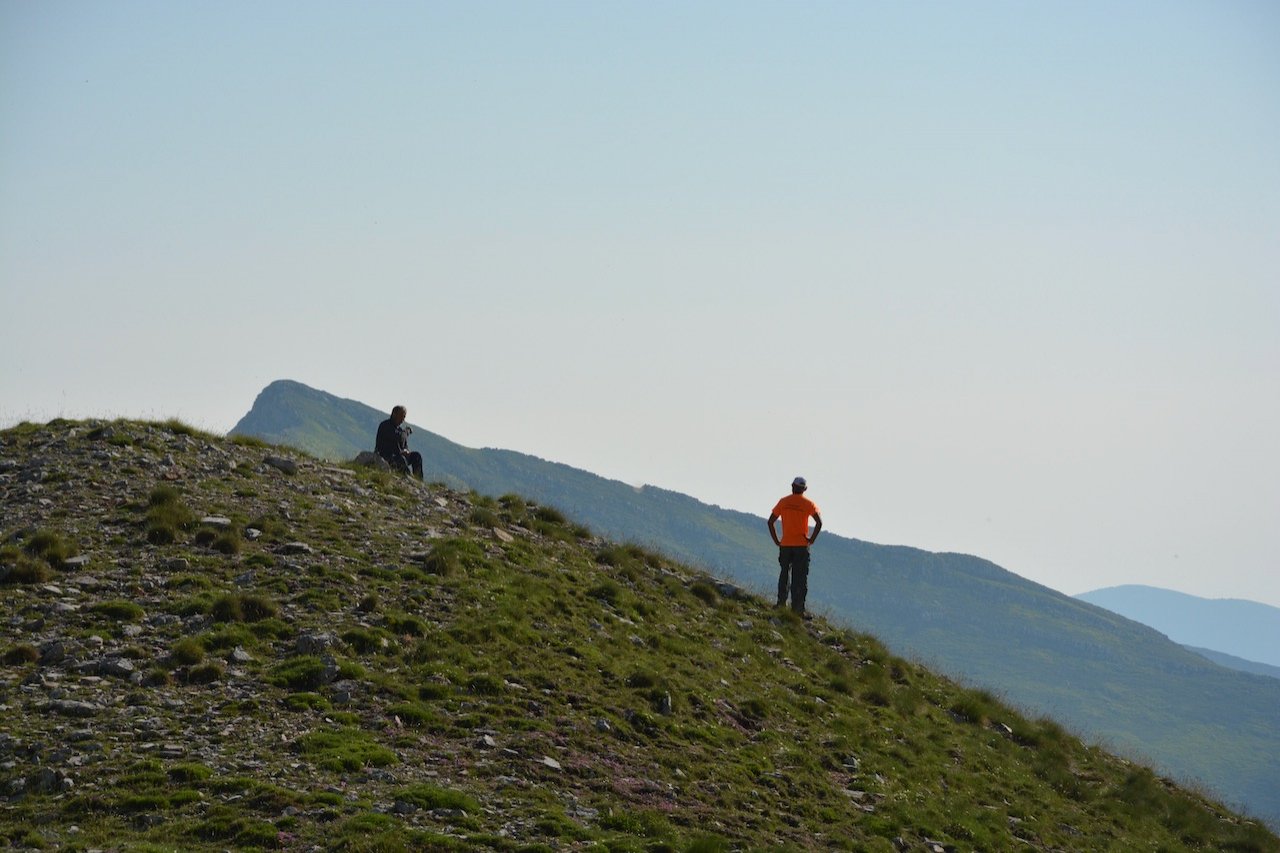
[(393, 443), (793, 548)]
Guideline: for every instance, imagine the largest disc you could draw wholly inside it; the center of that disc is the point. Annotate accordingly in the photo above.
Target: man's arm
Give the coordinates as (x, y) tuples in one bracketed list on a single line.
[(773, 516), (387, 444), (380, 443), (817, 527)]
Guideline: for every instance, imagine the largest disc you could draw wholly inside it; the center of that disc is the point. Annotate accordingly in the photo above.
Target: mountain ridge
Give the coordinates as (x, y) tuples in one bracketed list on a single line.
[(219, 644), (1244, 629), (1102, 674), (1232, 662)]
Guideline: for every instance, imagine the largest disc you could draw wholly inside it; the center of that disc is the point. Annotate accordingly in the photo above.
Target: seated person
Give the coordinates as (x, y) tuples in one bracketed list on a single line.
[(393, 444)]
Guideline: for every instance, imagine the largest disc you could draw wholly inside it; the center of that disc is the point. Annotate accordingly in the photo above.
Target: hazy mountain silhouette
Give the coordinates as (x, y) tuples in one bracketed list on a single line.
[(1233, 662), (1242, 629)]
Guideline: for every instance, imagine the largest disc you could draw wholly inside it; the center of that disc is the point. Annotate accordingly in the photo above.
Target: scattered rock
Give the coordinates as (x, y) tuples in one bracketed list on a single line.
[(220, 521), (330, 672), (314, 644), (46, 780), (288, 466), (53, 653), (74, 708), (728, 590), (117, 667), (344, 692), (370, 459), (448, 814)]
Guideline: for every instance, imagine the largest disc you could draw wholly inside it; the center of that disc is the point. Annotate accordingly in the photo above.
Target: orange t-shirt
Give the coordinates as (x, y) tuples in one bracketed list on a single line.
[(794, 510)]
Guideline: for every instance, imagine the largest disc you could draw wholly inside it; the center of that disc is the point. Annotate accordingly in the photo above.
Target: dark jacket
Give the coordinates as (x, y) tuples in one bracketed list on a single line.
[(391, 443)]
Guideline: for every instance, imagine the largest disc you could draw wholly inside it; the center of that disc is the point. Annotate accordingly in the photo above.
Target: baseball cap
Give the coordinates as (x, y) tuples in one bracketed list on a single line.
[(799, 481)]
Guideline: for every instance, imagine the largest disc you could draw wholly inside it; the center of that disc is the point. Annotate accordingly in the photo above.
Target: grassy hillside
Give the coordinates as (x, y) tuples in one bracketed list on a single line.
[(209, 647), (1097, 672)]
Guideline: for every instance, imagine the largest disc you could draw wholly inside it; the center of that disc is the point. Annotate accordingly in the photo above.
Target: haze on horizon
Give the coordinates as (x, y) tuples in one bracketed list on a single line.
[(998, 278)]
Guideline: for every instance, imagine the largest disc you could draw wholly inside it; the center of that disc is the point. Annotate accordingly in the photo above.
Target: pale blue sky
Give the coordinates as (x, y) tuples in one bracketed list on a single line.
[(997, 277)]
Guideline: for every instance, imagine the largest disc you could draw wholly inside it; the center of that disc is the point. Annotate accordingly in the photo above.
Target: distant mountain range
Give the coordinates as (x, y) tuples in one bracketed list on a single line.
[(1104, 675), (1241, 629), (1233, 662)]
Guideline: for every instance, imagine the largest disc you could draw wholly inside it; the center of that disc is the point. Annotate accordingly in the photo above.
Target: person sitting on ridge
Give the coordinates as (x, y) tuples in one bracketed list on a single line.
[(793, 548), (393, 444)]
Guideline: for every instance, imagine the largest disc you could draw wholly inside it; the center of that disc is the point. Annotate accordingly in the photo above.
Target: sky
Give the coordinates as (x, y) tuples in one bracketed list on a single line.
[(1000, 278)]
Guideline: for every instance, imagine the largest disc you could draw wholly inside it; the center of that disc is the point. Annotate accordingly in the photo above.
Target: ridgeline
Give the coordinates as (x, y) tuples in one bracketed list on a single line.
[(216, 644), (1101, 675)]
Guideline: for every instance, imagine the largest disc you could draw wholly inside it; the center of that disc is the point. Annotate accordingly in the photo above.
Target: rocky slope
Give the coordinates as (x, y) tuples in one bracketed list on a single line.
[(1096, 672), (214, 644)]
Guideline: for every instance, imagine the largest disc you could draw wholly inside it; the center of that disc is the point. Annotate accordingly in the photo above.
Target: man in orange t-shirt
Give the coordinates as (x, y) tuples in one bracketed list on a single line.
[(793, 548)]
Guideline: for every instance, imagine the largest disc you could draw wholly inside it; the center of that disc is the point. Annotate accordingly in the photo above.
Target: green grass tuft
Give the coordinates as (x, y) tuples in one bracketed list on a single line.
[(306, 702), (344, 750), (187, 652), (243, 607), (451, 556), (206, 673), (301, 673), (50, 547), (426, 796), (24, 570), (484, 517), (21, 654), (120, 611), (184, 773), (167, 516)]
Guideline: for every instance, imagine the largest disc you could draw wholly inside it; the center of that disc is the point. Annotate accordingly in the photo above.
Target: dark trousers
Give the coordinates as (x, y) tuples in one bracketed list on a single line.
[(409, 462), (794, 562)]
